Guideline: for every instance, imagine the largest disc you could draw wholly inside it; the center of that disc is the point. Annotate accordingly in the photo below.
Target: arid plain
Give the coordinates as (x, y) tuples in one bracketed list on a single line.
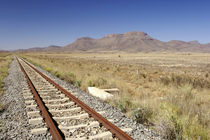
[(169, 92)]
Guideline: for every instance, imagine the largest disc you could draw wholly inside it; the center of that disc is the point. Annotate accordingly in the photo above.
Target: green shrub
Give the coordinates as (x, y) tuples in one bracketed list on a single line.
[(143, 114), (100, 82), (206, 75), (144, 75), (172, 125), (177, 79), (181, 126), (125, 104), (57, 74), (78, 83), (1, 84), (1, 107), (48, 69), (91, 83), (71, 78), (165, 80)]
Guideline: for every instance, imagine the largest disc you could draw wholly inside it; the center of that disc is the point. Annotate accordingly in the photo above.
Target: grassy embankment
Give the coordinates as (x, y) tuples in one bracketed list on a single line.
[(5, 59), (168, 92)]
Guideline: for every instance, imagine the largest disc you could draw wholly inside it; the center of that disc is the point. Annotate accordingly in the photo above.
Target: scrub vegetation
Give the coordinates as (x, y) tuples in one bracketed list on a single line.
[(168, 92), (5, 59)]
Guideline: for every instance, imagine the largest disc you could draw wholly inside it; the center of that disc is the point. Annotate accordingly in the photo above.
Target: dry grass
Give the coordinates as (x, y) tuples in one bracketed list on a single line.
[(5, 59), (168, 92)]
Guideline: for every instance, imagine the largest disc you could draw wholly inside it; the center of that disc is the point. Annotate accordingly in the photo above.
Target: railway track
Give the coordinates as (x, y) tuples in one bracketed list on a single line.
[(51, 108)]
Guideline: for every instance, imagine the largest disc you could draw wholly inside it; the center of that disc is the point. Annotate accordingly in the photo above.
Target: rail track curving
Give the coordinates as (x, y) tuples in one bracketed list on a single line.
[(52, 108)]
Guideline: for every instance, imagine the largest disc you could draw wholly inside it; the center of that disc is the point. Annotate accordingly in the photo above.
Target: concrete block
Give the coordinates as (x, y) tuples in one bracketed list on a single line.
[(81, 116), (38, 131), (100, 93), (76, 109), (35, 121), (108, 134), (56, 100), (103, 135), (94, 124), (32, 106), (60, 105), (33, 114), (30, 102), (28, 97), (72, 127), (75, 138)]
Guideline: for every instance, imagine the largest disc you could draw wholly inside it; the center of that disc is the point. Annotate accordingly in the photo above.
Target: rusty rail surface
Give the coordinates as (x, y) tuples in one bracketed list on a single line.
[(116, 132), (54, 130)]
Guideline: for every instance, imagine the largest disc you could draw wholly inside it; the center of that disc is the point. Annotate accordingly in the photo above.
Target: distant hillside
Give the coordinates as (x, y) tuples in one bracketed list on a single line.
[(129, 42), (3, 51), (49, 48)]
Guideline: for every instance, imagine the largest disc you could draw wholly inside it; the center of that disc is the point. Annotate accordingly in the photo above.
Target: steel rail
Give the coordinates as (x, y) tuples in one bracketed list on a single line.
[(54, 130), (116, 132)]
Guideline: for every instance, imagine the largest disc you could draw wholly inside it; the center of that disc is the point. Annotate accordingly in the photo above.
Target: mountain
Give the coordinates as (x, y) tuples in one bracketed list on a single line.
[(129, 42), (37, 49), (3, 51), (52, 47), (134, 42)]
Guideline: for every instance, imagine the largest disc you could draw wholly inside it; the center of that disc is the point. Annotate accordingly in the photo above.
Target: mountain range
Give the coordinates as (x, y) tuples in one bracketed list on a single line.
[(128, 42)]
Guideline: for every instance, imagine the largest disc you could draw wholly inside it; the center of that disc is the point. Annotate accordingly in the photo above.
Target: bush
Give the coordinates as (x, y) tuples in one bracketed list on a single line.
[(206, 75), (144, 75), (165, 80), (178, 125), (124, 104), (100, 82), (180, 80), (143, 114), (172, 125), (1, 83), (57, 74), (1, 107), (91, 83), (78, 83), (48, 69), (71, 78), (177, 79)]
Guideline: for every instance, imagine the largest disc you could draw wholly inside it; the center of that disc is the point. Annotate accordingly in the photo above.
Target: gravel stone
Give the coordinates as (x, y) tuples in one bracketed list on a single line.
[(13, 119)]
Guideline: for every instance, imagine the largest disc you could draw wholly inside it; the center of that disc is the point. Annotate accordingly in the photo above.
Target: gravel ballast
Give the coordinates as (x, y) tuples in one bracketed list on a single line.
[(13, 119)]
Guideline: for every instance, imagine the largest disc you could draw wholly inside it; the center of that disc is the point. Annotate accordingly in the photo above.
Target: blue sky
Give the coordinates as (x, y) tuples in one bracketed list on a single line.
[(40, 23)]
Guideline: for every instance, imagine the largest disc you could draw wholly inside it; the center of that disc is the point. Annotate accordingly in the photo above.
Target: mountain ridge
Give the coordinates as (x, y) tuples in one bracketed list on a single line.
[(129, 42)]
